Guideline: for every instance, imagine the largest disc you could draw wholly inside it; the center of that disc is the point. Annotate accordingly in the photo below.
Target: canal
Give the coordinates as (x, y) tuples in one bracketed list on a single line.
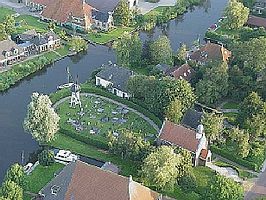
[(13, 103)]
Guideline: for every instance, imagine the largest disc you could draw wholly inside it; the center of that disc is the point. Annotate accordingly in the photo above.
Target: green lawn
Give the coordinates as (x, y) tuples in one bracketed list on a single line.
[(64, 142), (4, 12), (92, 119), (231, 105), (41, 176), (105, 37), (157, 11), (63, 51), (204, 176)]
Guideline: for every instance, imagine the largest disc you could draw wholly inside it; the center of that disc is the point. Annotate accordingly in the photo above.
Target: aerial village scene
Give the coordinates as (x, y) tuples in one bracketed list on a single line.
[(132, 99)]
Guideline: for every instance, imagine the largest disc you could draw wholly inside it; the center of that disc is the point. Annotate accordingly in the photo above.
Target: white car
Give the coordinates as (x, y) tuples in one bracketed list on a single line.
[(65, 156), (27, 168)]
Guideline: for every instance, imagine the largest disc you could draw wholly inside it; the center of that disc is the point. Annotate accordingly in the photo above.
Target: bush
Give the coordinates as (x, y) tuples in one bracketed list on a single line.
[(188, 183), (46, 158), (90, 140), (234, 158)]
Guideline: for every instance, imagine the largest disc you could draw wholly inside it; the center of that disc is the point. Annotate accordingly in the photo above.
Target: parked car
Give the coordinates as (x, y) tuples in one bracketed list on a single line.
[(27, 168), (65, 156)]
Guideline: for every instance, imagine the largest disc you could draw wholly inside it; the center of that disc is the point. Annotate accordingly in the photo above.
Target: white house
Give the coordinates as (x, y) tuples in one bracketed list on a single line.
[(189, 139), (115, 79)]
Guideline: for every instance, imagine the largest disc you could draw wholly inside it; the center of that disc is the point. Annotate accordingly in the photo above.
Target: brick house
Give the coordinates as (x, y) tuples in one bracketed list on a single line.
[(10, 53), (192, 140), (81, 181)]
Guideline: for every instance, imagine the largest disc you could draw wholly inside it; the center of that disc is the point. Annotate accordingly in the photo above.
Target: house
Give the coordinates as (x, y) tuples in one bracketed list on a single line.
[(181, 72), (114, 78), (10, 53), (210, 52), (46, 42), (192, 140), (259, 6), (81, 181), (162, 68), (254, 21), (79, 14)]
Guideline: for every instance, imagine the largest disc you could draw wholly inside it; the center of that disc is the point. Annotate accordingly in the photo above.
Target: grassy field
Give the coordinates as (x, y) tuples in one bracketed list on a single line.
[(103, 38), (4, 12), (231, 105)]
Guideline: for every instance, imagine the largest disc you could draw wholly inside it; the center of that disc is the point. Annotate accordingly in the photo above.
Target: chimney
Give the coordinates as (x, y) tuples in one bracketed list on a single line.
[(130, 179)]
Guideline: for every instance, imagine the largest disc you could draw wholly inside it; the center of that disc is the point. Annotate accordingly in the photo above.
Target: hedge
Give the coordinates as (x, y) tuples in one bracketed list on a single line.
[(234, 158), (88, 88), (86, 139)]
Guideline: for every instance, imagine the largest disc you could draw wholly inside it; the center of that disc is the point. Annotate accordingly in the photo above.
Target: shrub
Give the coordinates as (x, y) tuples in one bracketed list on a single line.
[(188, 183), (46, 158)]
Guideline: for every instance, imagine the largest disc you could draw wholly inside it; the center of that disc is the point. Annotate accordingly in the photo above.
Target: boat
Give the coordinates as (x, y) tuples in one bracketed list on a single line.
[(66, 85)]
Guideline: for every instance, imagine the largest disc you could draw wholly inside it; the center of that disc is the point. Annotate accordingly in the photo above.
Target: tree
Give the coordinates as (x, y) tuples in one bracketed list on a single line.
[(184, 167), (256, 124), (122, 14), (129, 50), (161, 51), (174, 111), (3, 198), (159, 168), (222, 188), (129, 145), (41, 120), (214, 85), (254, 64), (51, 26), (213, 125), (9, 24), (12, 191), (237, 15), (46, 158), (16, 174), (188, 183), (3, 34), (182, 53), (241, 140), (77, 44)]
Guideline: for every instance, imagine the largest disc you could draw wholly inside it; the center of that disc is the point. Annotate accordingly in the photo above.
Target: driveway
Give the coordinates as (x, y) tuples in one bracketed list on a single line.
[(146, 7), (259, 188)]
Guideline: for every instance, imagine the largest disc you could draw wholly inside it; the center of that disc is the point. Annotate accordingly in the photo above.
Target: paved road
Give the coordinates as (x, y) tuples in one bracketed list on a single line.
[(259, 189), (115, 102)]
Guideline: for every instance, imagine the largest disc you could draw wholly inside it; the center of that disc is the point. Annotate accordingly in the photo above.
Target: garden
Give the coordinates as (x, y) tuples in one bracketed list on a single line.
[(99, 117)]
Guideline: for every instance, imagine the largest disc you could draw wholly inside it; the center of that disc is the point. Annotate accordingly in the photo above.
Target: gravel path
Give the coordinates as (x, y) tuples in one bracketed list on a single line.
[(115, 102)]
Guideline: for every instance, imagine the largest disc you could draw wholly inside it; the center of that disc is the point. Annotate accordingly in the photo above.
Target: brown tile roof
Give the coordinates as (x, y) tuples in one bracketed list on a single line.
[(8, 46), (60, 10), (179, 135), (211, 51), (92, 183), (181, 72), (256, 21)]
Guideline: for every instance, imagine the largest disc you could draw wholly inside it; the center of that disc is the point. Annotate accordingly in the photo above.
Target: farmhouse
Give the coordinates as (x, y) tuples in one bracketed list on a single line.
[(79, 14), (81, 181), (115, 79), (210, 52), (189, 139), (181, 72)]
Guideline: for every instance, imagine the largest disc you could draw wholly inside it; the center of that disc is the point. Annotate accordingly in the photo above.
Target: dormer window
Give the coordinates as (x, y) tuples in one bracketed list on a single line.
[(185, 74), (6, 53), (189, 71), (15, 51)]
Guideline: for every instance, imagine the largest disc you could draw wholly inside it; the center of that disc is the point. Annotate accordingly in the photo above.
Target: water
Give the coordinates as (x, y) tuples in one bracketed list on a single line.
[(13, 140)]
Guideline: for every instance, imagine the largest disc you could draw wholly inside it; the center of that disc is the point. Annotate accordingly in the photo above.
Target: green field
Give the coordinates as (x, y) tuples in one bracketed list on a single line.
[(105, 37), (4, 12)]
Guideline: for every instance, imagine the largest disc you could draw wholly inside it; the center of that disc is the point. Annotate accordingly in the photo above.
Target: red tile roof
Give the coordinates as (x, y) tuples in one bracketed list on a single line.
[(61, 10), (256, 21), (184, 71), (179, 135), (211, 51)]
